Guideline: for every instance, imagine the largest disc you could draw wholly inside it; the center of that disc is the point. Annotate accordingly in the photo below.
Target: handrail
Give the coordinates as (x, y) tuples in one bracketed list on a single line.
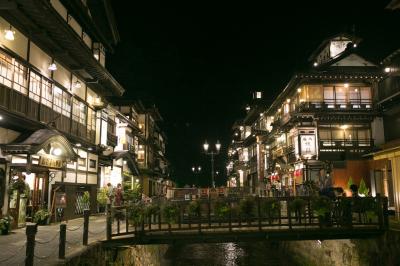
[(255, 213)]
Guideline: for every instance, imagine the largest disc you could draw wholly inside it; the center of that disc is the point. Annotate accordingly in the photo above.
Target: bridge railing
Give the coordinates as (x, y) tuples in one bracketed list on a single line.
[(250, 213)]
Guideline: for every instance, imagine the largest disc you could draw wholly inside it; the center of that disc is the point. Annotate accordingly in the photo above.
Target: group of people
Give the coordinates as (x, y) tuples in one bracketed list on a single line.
[(115, 195)]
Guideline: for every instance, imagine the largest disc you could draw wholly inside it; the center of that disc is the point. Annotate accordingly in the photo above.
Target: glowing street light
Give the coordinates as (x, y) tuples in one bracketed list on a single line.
[(212, 154)]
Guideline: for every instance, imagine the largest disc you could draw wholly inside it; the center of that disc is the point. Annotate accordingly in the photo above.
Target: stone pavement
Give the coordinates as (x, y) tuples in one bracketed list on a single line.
[(13, 246)]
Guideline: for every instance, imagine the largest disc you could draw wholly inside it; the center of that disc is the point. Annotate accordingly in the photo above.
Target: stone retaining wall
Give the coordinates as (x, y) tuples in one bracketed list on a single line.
[(384, 250)]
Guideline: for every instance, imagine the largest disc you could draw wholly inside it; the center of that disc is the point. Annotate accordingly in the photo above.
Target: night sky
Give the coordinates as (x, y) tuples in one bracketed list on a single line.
[(198, 61)]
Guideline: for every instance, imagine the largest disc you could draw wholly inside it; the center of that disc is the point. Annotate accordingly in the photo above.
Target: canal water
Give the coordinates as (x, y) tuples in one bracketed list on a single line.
[(229, 254)]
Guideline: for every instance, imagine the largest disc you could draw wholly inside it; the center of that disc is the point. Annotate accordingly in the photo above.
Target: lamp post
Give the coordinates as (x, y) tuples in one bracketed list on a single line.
[(212, 154), (196, 171)]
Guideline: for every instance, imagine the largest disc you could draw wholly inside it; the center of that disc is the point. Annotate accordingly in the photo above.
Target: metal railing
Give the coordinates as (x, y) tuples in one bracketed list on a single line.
[(261, 214)]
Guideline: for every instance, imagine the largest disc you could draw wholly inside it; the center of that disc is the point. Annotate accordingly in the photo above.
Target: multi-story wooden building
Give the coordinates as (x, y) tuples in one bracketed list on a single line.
[(55, 128), (385, 168), (325, 119), (149, 145), (321, 125)]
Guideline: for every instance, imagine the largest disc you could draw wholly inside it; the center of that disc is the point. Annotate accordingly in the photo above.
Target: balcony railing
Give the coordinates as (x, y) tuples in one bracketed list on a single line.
[(128, 147), (334, 145), (331, 104), (112, 140)]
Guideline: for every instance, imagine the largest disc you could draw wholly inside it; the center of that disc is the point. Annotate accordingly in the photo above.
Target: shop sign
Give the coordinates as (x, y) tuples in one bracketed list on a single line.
[(307, 145), (61, 200), (50, 161)]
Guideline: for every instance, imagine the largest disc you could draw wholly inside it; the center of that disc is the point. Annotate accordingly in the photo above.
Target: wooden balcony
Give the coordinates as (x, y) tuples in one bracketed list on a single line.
[(112, 140)]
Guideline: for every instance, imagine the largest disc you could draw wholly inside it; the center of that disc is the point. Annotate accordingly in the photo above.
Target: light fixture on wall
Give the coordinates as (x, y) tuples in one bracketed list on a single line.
[(1, 117), (57, 152), (315, 64), (78, 145), (52, 67), (9, 34), (387, 69), (346, 85), (77, 84)]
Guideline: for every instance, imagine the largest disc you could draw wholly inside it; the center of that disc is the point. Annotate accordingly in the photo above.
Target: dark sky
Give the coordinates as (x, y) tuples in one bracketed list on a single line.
[(198, 61)]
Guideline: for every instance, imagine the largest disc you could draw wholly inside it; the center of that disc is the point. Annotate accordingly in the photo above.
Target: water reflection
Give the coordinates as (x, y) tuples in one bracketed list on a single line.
[(231, 254)]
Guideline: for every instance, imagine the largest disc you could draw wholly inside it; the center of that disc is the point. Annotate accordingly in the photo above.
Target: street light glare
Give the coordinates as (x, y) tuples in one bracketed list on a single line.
[(205, 146), (218, 145)]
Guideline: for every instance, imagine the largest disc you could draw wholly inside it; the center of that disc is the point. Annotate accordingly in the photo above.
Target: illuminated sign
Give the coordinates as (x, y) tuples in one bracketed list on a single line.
[(50, 161), (307, 145)]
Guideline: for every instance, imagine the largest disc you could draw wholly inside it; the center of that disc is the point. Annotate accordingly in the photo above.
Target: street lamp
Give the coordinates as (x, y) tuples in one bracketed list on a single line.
[(196, 171), (206, 146)]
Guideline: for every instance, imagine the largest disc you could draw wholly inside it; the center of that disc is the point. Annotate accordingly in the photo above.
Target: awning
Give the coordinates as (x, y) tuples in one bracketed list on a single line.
[(45, 139), (130, 160)]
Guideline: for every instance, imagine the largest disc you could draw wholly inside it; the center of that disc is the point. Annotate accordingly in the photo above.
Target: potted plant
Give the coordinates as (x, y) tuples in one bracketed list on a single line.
[(298, 206), (135, 214), (170, 214), (194, 208), (322, 206), (221, 209), (41, 217), (102, 199), (363, 191), (86, 199), (5, 224), (246, 207), (271, 208)]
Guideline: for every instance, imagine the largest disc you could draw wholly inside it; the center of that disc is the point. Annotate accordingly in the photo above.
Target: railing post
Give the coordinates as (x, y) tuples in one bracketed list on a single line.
[(31, 230), (289, 215), (230, 216), (259, 213), (385, 213), (86, 213), (109, 229), (381, 211), (126, 220), (209, 211), (180, 217), (309, 211), (199, 222), (63, 237)]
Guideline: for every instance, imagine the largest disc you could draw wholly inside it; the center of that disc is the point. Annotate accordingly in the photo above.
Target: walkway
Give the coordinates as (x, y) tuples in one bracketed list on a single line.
[(13, 246)]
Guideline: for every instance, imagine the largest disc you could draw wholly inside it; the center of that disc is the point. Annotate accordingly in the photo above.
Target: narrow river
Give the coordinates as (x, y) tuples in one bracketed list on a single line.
[(251, 254)]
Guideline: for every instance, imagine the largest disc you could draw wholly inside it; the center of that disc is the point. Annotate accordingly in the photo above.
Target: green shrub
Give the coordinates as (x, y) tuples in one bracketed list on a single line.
[(322, 205), (363, 190), (194, 208), (270, 208), (41, 216), (152, 209), (246, 207), (221, 208), (102, 196), (135, 214), (170, 213), (298, 205), (5, 224), (86, 197)]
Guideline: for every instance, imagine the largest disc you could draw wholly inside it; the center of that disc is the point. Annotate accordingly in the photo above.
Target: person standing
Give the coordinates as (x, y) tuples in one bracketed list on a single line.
[(110, 193), (118, 195)]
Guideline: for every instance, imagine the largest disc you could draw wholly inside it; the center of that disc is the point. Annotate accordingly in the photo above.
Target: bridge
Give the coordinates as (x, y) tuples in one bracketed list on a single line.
[(247, 219)]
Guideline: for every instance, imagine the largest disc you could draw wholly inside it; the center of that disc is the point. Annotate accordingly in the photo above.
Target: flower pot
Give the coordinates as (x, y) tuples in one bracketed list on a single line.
[(4, 231)]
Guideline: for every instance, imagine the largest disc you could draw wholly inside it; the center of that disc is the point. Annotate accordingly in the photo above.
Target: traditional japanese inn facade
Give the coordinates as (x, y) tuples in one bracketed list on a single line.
[(322, 124), (58, 131)]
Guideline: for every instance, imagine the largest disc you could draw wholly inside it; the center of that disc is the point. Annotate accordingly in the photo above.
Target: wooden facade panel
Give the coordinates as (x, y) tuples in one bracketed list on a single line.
[(63, 123), (33, 110), (46, 114), (17, 102), (4, 96)]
